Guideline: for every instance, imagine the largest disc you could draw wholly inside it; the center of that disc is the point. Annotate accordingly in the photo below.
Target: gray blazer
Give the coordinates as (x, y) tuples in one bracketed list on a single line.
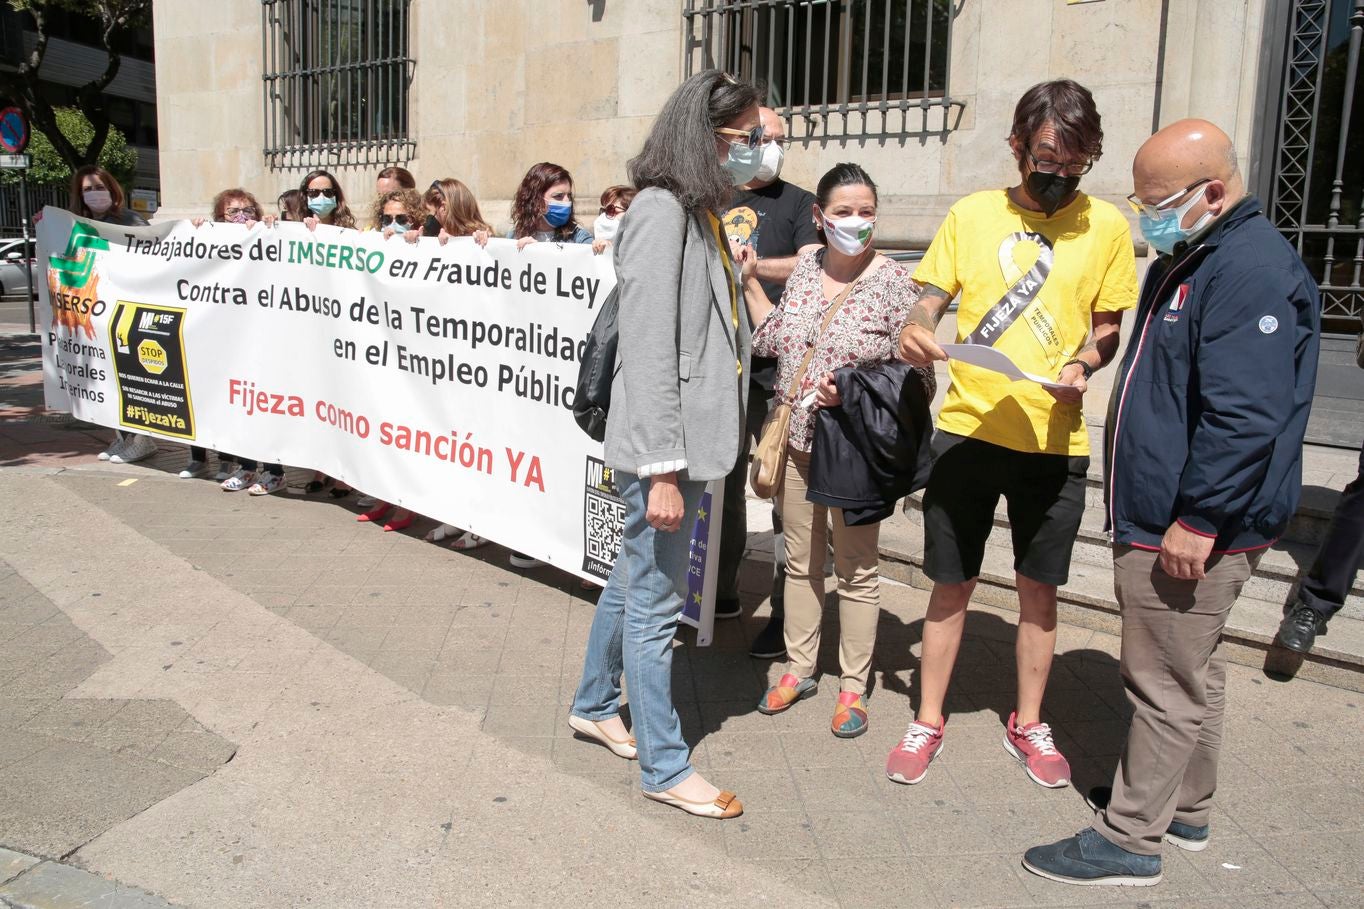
[(677, 393)]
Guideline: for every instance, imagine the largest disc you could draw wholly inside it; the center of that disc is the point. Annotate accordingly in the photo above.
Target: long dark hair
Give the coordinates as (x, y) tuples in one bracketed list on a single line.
[(529, 203), (341, 216), (291, 206), (679, 154)]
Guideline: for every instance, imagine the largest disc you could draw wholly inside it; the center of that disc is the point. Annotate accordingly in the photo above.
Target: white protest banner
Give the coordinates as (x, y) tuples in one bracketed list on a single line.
[(438, 378)]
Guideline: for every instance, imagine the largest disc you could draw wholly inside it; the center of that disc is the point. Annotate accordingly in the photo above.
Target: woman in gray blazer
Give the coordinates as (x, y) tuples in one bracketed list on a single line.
[(677, 402)]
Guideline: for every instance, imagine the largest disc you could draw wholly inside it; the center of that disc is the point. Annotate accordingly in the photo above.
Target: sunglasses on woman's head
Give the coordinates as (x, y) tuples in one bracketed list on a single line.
[(400, 220), (328, 192)]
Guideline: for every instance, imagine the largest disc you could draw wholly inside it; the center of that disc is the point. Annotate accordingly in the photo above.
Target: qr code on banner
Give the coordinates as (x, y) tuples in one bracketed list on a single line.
[(603, 520), (605, 524)]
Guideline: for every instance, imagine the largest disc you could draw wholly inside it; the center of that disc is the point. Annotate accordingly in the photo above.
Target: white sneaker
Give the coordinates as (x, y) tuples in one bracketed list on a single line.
[(116, 447), (193, 469), (140, 448), (267, 484), (521, 560), (239, 480)]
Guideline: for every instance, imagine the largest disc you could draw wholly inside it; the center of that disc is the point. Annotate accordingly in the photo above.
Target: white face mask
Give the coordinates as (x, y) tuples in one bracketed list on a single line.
[(98, 200), (605, 228), (770, 168), (850, 235)]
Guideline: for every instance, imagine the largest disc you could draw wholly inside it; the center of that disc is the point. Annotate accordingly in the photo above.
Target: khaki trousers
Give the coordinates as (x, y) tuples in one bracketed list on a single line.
[(1175, 675), (856, 563)]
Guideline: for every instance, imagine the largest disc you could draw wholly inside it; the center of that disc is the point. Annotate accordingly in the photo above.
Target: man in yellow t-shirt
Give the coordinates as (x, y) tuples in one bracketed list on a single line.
[(1044, 273)]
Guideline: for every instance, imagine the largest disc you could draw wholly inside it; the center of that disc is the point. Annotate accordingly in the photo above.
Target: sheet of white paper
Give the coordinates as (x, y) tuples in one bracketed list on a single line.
[(995, 361)]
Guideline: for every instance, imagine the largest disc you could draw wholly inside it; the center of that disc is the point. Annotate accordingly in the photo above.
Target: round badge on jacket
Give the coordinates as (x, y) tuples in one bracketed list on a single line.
[(1268, 325)]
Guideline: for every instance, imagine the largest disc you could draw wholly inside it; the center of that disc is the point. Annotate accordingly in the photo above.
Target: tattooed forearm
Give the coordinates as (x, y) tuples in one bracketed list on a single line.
[(928, 312)]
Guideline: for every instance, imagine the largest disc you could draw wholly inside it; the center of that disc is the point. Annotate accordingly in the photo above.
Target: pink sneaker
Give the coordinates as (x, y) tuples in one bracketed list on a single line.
[(1035, 750), (909, 760)]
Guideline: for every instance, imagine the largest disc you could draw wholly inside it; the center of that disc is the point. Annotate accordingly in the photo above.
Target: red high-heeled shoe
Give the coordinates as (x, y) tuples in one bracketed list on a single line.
[(400, 524), (375, 514)]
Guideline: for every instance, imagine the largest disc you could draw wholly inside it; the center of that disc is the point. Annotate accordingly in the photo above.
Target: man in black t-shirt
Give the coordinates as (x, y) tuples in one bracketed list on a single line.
[(777, 219)]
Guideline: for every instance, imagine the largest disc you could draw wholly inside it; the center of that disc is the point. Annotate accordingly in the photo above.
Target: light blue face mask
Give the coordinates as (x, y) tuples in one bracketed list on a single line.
[(1164, 233), (321, 206), (558, 213), (743, 162)]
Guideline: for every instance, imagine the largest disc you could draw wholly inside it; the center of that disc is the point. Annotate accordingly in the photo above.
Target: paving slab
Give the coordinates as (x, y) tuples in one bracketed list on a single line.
[(49, 885)]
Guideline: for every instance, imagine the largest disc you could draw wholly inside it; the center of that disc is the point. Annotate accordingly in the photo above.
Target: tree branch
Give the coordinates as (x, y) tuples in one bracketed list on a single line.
[(22, 86), (115, 15)]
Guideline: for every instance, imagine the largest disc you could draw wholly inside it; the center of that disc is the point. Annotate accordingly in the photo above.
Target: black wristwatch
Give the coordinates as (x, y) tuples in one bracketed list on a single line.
[(1085, 367)]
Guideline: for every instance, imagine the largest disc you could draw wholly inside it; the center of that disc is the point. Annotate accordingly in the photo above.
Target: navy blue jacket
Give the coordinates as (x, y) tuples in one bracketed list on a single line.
[(874, 448), (1206, 422)]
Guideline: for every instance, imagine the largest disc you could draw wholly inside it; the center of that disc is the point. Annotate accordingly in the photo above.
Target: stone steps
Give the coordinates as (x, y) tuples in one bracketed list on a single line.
[(1088, 599), (1275, 579)]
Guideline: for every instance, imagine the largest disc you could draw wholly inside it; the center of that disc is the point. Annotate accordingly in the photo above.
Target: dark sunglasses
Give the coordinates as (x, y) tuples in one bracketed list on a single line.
[(314, 193), (400, 220), (752, 138), (613, 211)]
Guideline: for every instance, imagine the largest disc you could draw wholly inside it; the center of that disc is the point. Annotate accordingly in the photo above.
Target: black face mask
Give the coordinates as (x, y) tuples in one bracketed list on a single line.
[(431, 227), (1050, 190)]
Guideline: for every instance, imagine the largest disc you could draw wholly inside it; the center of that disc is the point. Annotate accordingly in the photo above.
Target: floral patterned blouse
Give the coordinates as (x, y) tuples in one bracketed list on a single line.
[(866, 331)]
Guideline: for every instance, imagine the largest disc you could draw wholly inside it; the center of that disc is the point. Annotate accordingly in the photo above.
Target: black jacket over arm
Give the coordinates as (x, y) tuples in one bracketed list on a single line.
[(874, 449)]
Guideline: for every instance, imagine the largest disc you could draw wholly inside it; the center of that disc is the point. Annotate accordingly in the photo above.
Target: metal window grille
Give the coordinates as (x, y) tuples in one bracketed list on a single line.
[(835, 68), (336, 78), (1317, 189)]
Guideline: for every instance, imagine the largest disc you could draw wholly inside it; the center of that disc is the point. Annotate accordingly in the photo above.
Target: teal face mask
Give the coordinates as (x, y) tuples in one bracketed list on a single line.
[(743, 162), (1164, 232), (322, 206)]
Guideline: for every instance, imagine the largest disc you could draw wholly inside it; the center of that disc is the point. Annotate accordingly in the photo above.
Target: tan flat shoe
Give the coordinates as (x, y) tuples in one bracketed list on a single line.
[(725, 806), (620, 747)]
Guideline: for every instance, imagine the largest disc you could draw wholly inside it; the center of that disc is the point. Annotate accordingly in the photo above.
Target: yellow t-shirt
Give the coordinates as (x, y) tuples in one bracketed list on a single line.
[(986, 246)]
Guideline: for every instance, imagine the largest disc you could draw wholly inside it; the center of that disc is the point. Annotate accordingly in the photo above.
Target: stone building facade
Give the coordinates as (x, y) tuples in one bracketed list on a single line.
[(497, 85)]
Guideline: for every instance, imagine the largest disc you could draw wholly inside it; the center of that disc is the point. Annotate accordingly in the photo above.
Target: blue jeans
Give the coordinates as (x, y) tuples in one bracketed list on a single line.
[(632, 632)]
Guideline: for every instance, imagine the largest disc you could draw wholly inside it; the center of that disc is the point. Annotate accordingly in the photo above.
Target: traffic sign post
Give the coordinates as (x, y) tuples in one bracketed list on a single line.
[(28, 260), (14, 135)]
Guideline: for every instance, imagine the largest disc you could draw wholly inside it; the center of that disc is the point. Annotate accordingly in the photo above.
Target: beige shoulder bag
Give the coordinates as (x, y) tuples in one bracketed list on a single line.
[(769, 458)]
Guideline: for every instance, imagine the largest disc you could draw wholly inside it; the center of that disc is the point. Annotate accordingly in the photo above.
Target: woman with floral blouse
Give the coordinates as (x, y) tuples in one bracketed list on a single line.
[(864, 332)]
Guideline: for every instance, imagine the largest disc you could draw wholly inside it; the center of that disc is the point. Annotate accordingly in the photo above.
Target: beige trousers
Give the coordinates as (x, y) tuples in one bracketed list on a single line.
[(806, 528), (1175, 675)]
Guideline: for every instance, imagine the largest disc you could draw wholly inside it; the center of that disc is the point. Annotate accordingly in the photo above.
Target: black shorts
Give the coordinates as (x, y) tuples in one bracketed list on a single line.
[(1045, 495)]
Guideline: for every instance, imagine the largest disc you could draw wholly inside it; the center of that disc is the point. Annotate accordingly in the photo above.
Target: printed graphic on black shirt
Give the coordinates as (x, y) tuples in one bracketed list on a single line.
[(603, 519), (742, 226), (149, 364)]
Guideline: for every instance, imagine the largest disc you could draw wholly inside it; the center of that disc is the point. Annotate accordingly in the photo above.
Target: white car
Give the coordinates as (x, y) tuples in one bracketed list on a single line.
[(13, 276)]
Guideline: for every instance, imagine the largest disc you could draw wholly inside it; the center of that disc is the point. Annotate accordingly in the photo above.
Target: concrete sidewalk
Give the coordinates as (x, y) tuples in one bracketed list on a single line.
[(232, 701)]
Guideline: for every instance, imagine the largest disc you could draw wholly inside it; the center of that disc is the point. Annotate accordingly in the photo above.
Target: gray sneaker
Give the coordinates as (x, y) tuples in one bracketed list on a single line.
[(140, 448), (1089, 859), (116, 447), (194, 469)]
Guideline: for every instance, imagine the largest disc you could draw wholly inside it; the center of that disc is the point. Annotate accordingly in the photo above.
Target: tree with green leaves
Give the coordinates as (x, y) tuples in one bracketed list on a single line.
[(116, 18)]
